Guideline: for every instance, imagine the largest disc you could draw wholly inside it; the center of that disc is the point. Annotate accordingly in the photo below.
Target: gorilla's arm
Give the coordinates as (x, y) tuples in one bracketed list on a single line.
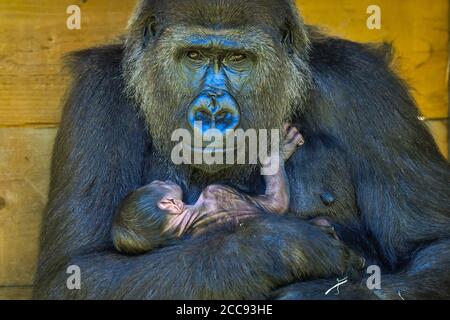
[(98, 160), (400, 180), (425, 277), (239, 264)]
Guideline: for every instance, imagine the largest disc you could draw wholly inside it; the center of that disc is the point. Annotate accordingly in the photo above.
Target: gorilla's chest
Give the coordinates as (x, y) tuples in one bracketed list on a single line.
[(320, 183)]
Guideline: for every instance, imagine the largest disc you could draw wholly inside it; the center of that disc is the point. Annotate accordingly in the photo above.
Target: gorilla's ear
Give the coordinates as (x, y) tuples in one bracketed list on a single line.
[(294, 32), (142, 26), (288, 38), (143, 10), (149, 32)]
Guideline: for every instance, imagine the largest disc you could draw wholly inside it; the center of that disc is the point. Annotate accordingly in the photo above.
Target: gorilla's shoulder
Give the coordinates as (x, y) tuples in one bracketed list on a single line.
[(97, 80), (345, 56), (362, 73), (100, 60)]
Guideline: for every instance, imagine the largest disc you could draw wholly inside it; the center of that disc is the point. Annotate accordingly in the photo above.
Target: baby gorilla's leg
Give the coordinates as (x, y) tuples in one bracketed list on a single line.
[(292, 139)]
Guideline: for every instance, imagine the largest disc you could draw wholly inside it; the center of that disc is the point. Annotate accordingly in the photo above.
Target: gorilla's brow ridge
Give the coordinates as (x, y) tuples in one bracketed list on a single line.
[(251, 40)]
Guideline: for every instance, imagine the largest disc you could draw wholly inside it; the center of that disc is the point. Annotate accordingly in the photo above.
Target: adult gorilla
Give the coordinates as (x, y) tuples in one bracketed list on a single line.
[(369, 165)]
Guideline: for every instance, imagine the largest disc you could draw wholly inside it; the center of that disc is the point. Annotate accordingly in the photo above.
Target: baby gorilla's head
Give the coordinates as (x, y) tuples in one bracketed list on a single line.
[(171, 196), (145, 216)]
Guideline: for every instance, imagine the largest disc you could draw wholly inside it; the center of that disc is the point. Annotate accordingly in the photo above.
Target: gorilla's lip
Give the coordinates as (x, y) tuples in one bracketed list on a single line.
[(208, 149)]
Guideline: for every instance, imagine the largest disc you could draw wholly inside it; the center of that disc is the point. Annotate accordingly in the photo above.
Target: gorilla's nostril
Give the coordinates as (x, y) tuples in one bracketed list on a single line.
[(223, 116), (205, 118), (202, 114), (215, 110), (226, 120)]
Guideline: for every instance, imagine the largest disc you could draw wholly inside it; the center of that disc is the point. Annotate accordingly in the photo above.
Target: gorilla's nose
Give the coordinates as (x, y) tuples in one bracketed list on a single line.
[(214, 109)]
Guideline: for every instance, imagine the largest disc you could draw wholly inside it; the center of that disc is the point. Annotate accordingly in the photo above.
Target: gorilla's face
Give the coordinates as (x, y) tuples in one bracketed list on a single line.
[(214, 67)]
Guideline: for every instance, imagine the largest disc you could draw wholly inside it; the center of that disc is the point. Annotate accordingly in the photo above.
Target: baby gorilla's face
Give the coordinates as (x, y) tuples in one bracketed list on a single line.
[(172, 201)]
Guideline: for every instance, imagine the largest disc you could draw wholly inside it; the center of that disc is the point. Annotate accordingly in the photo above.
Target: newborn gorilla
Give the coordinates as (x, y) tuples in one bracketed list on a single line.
[(156, 213)]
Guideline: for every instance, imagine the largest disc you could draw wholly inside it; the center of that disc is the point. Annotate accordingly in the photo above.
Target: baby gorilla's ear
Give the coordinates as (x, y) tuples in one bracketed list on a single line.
[(171, 206)]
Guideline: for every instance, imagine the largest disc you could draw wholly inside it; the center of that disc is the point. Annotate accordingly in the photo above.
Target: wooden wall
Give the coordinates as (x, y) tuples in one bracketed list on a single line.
[(33, 36)]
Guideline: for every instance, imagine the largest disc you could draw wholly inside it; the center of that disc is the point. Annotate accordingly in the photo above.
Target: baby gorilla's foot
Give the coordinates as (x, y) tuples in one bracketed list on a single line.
[(292, 139)]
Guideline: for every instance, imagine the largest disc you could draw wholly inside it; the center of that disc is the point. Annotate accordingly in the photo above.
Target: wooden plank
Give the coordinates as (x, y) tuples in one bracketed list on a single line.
[(33, 37), (24, 173), (439, 129), (15, 293), (417, 29)]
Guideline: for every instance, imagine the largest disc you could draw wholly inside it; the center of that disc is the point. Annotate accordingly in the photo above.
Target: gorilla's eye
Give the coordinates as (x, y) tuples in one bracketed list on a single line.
[(194, 55), (237, 57)]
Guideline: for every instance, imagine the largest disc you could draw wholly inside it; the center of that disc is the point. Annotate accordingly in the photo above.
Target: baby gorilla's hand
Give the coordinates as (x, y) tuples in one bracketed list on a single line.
[(292, 139)]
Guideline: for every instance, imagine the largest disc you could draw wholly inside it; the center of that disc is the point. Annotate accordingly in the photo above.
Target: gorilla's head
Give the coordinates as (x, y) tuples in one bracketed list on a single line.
[(229, 64)]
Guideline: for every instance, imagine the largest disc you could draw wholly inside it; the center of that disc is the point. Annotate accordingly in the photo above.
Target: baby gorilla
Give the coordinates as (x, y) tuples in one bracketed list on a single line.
[(156, 214)]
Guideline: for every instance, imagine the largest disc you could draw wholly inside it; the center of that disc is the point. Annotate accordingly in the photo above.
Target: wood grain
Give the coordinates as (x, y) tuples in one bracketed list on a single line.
[(16, 293), (439, 129), (418, 30), (33, 38), (24, 175)]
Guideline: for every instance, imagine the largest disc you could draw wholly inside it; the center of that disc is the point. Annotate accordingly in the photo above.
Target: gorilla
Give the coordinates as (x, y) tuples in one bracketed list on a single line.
[(368, 165)]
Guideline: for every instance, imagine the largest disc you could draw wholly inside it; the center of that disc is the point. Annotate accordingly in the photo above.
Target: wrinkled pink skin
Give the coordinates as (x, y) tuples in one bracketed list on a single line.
[(220, 204)]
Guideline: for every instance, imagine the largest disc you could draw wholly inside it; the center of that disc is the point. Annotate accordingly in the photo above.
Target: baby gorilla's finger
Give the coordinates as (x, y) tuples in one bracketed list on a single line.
[(290, 146), (285, 130), (298, 139), (291, 133)]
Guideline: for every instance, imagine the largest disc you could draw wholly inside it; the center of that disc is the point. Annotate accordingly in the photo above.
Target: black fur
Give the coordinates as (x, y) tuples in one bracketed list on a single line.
[(364, 144)]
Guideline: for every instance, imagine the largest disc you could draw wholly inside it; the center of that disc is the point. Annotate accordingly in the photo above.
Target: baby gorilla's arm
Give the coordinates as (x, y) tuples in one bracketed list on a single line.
[(179, 224), (276, 197)]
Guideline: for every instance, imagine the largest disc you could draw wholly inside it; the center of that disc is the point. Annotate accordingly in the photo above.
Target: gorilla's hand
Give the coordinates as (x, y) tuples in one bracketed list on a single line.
[(302, 249), (325, 289)]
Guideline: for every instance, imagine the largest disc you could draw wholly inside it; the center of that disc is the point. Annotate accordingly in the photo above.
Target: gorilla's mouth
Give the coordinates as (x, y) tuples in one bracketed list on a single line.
[(210, 159), (207, 150), (220, 155)]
